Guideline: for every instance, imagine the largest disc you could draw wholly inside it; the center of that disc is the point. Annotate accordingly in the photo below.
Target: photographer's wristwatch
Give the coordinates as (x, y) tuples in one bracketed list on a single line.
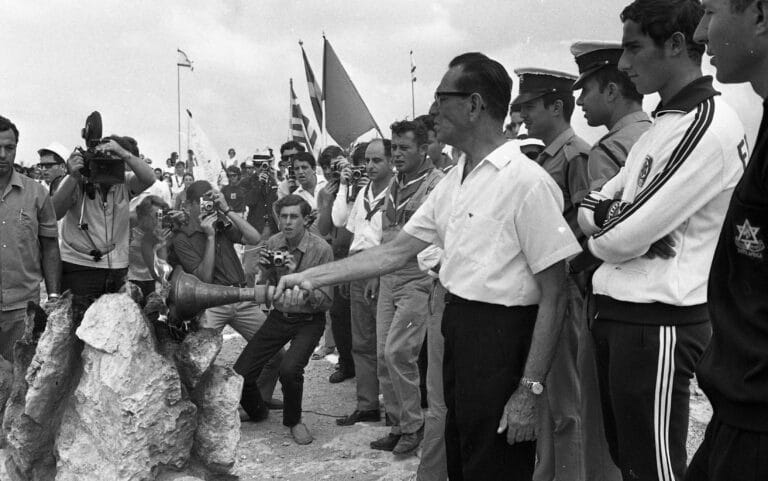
[(536, 387)]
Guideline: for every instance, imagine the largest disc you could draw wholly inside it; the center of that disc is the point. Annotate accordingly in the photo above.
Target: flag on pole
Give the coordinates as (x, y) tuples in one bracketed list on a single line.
[(315, 94), (183, 60), (301, 131), (346, 115), (208, 161), (413, 68)]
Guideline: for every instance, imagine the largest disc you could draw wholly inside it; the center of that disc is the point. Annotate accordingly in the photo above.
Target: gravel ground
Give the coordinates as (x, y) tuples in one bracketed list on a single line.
[(266, 450)]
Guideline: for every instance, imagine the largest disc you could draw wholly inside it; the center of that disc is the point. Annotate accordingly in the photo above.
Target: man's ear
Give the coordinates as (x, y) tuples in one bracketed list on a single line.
[(677, 44), (760, 10), (612, 92)]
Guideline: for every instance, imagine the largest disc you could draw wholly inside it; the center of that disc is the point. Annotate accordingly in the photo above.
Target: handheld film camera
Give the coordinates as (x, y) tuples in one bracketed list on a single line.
[(100, 168)]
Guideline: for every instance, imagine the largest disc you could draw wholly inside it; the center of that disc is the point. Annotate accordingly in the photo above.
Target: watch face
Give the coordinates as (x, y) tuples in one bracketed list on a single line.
[(537, 388)]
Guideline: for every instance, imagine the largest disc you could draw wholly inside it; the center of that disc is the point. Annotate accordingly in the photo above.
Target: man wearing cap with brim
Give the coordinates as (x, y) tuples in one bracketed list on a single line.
[(546, 104), (608, 98), (52, 164)]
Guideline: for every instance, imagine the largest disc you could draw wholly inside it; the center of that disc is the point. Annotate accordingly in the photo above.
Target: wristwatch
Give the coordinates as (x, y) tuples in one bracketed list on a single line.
[(535, 387)]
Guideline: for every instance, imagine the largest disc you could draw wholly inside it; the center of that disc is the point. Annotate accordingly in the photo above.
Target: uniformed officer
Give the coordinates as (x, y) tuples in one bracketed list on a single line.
[(608, 98), (546, 105)]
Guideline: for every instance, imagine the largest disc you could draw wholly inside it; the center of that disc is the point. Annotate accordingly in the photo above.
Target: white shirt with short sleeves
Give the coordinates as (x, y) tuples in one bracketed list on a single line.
[(498, 228), (367, 232)]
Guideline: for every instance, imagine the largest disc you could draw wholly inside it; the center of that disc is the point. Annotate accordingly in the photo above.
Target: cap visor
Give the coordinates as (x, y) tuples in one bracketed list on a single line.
[(527, 97)]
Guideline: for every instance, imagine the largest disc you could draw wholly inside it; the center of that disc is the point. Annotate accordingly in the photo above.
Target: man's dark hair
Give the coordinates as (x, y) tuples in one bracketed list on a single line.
[(568, 102), (144, 207), (328, 154), (233, 169), (387, 147), (158, 169), (660, 19), (292, 144), (427, 120), (305, 157), (402, 127), (6, 124), (291, 200), (128, 143), (358, 154), (627, 89), (196, 190), (179, 163), (488, 78)]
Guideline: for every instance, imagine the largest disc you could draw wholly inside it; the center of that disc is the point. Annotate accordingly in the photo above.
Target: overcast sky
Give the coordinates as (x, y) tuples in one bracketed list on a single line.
[(63, 59)]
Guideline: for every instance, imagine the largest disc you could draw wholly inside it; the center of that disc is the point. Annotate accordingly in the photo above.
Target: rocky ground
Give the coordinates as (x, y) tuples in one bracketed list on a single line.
[(266, 450)]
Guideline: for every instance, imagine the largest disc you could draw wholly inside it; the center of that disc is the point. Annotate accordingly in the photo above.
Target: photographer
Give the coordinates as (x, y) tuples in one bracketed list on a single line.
[(260, 194), (209, 255), (95, 227), (288, 151), (301, 325), (148, 239)]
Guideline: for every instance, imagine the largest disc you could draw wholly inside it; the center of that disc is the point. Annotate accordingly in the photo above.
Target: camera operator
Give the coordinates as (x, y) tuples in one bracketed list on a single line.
[(233, 192), (301, 325), (209, 254), (287, 152), (331, 159), (95, 229), (260, 194), (147, 242)]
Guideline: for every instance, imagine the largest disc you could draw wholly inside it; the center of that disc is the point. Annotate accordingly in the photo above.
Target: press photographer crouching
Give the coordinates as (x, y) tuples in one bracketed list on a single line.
[(300, 325), (93, 203), (204, 247)]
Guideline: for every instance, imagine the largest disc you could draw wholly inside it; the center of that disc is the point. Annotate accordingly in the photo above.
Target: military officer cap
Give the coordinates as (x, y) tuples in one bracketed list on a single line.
[(592, 56), (537, 82)]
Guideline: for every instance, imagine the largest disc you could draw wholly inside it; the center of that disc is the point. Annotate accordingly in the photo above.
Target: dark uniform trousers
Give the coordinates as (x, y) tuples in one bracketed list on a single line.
[(486, 347), (644, 372), (730, 453), (303, 331)]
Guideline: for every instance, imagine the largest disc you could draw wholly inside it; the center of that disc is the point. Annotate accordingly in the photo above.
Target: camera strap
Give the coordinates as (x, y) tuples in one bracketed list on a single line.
[(84, 227)]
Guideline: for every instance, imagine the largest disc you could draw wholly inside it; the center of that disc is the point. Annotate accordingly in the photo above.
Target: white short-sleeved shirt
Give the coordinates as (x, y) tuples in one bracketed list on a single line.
[(498, 228)]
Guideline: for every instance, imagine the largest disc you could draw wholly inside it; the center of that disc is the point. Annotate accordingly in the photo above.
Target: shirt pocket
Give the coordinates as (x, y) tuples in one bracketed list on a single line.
[(480, 235), (26, 227)]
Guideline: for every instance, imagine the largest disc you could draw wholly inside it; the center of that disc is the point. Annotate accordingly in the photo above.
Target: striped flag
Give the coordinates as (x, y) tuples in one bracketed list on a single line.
[(183, 60), (301, 131), (413, 68), (315, 94)]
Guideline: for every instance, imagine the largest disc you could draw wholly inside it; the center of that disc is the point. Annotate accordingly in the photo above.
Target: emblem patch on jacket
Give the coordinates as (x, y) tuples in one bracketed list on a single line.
[(645, 171), (747, 242)]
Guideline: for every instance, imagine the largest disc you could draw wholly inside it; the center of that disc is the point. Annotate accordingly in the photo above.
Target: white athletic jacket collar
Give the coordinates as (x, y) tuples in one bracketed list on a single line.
[(689, 97)]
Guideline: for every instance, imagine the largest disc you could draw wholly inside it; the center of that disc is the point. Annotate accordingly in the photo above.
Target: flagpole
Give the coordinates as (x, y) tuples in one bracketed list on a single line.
[(413, 95), (178, 105), (290, 109)]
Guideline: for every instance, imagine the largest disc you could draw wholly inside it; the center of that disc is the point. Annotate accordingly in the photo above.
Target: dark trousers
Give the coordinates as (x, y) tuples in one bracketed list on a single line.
[(730, 453), (341, 326), (303, 332), (644, 374), (486, 347), (88, 284)]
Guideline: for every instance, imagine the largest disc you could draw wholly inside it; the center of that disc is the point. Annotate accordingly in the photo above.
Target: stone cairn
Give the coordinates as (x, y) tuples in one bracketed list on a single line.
[(110, 399)]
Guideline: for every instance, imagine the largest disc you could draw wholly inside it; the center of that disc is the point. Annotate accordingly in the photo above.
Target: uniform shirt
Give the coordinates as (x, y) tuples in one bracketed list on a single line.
[(108, 225), (259, 199), (498, 228), (678, 180), (189, 251), (26, 213), (609, 154), (733, 371), (565, 159), (399, 206), (364, 222), (312, 251)]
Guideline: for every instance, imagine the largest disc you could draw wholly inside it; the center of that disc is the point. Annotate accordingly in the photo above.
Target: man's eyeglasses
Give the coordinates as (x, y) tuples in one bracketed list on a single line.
[(286, 158), (441, 96), (48, 166)]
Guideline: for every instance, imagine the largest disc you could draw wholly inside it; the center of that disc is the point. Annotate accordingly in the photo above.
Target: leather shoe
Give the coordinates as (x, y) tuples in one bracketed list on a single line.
[(274, 403), (372, 416), (322, 352), (340, 375), (301, 434), (387, 443), (409, 442)]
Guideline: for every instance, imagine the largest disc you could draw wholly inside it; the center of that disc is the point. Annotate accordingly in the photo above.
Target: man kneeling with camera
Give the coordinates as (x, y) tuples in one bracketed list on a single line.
[(204, 247), (295, 249)]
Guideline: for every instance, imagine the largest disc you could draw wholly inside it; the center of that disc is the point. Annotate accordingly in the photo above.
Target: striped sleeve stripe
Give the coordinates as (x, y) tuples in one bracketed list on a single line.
[(693, 135)]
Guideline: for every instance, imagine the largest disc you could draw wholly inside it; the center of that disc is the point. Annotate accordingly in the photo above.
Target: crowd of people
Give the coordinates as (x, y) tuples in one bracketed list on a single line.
[(526, 306)]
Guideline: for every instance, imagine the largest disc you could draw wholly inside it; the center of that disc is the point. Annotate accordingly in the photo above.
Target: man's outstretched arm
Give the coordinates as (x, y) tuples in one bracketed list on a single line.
[(373, 262)]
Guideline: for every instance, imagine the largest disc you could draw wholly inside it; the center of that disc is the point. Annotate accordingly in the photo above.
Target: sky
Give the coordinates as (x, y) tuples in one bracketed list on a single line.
[(64, 59)]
